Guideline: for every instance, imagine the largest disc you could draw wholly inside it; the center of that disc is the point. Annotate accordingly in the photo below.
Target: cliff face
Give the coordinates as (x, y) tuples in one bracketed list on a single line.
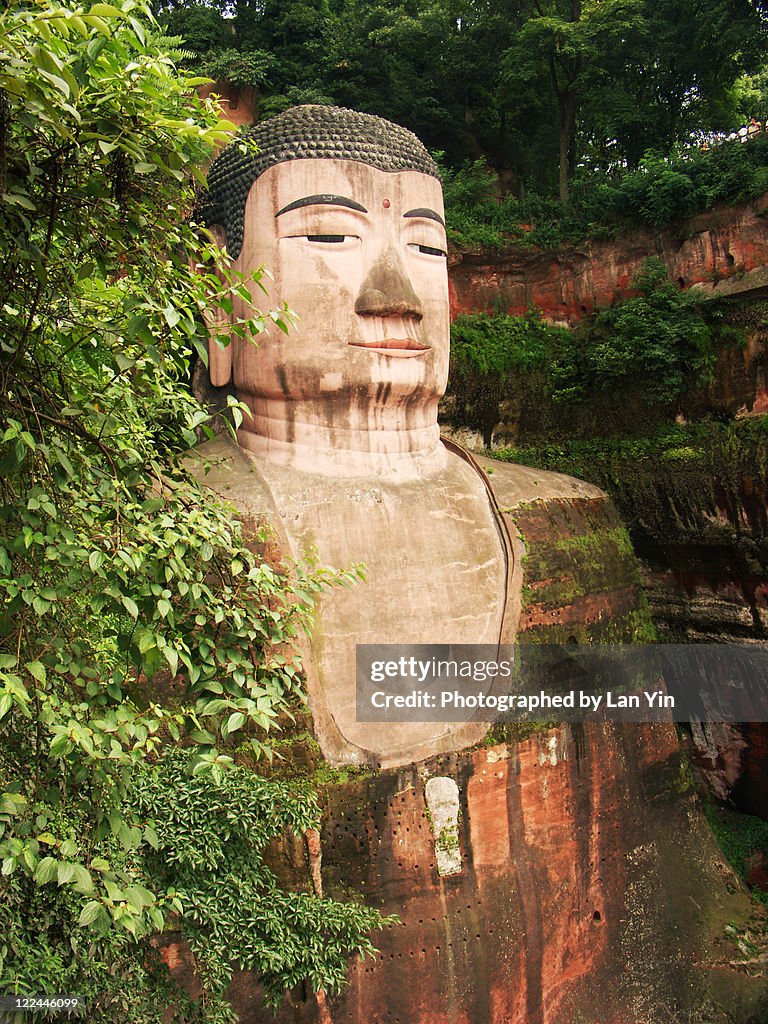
[(709, 249), (699, 524), (589, 890)]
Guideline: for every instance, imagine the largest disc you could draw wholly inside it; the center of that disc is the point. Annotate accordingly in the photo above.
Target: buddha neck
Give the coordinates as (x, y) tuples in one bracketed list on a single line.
[(327, 437)]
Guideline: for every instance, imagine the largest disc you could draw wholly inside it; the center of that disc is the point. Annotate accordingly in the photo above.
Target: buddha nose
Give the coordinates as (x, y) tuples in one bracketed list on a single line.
[(386, 290)]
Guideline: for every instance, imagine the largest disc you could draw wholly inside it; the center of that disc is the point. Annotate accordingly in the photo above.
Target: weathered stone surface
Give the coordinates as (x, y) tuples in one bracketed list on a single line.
[(437, 572), (733, 758), (590, 891), (581, 579), (442, 797)]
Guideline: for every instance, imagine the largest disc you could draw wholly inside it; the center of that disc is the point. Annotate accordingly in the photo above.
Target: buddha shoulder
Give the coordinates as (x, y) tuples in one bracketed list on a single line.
[(225, 468), (514, 486)]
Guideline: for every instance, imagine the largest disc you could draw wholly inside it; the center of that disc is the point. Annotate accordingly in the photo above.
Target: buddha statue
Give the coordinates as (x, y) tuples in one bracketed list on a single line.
[(572, 848), (342, 451)]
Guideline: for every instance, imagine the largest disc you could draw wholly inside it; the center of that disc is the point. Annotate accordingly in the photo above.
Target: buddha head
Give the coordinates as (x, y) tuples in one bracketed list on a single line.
[(345, 212)]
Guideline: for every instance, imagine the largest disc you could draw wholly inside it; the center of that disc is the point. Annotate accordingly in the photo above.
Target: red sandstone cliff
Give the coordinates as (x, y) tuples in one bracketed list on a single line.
[(567, 283), (589, 891)]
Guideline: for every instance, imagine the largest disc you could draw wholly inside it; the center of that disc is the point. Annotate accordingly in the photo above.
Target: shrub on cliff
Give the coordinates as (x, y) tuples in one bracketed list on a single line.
[(493, 346), (654, 346), (116, 809)]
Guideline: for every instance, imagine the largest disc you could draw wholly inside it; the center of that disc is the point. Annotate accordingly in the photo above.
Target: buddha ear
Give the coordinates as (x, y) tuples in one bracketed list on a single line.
[(219, 356)]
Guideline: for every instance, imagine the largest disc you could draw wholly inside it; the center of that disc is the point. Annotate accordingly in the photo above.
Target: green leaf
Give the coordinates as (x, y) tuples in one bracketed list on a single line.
[(61, 745), (69, 848), (213, 707), (37, 670), (6, 703), (114, 891), (171, 655), (151, 837), (82, 879), (66, 872), (46, 870), (139, 897), (18, 199), (130, 606), (235, 722), (57, 81), (90, 913), (105, 11), (12, 803), (147, 641), (172, 315)]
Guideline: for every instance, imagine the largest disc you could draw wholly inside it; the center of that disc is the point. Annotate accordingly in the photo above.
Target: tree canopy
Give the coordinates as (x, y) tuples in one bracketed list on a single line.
[(535, 88)]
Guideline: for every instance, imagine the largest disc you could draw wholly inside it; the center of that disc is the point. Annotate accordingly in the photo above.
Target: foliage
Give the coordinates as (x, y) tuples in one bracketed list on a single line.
[(565, 44), (241, 68), (531, 88), (203, 28), (656, 194), (211, 836), (740, 837), (668, 483), (646, 350), (751, 94), (493, 346), (655, 345), (121, 577), (293, 97)]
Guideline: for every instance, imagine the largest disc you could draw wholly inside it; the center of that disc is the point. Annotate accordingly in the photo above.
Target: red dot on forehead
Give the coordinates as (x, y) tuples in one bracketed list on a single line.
[(386, 204)]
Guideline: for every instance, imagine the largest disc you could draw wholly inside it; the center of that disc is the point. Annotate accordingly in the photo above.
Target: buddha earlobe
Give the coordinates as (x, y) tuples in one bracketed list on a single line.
[(217, 323), (219, 362)]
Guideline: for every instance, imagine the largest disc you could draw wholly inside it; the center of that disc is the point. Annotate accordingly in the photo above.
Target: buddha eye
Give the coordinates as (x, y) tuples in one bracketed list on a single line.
[(430, 250), (326, 238)]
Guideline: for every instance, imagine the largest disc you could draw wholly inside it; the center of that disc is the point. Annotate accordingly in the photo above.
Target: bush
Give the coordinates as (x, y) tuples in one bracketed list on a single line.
[(655, 345), (493, 346)]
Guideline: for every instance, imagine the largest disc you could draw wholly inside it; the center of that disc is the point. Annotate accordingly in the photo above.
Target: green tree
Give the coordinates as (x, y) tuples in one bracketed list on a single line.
[(140, 638), (565, 43), (678, 77), (536, 90), (203, 27)]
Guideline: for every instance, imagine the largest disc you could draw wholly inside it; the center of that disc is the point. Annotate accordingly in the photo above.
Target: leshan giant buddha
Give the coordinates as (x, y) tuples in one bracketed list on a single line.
[(574, 850), (342, 450)]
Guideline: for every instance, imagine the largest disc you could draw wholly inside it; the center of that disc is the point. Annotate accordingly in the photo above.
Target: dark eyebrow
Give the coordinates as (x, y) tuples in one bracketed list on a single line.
[(429, 214), (323, 200)]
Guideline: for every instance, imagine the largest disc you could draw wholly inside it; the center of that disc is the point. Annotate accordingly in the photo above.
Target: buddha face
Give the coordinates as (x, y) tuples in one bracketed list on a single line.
[(359, 255)]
